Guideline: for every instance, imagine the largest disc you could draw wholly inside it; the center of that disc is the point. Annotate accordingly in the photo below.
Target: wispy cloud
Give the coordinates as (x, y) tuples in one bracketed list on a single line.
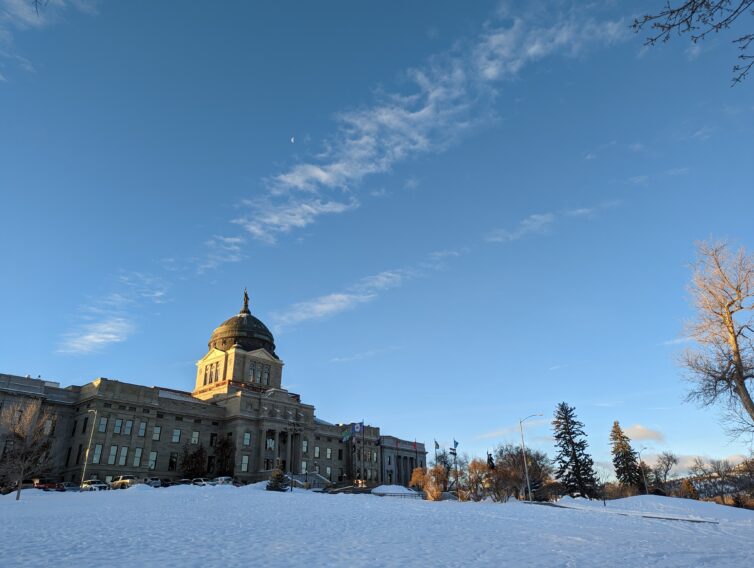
[(220, 250), (94, 336), (642, 433), (512, 429), (361, 292), (110, 318), (439, 103), (677, 341), (21, 15), (670, 172), (363, 355), (542, 223), (536, 224)]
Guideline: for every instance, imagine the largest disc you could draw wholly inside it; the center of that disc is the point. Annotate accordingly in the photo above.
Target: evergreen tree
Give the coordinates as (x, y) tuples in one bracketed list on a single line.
[(575, 468), (277, 481), (624, 458)]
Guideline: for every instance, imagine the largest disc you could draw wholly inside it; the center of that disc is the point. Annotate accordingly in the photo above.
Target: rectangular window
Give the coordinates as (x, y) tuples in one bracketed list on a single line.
[(102, 424), (210, 464), (47, 427), (142, 429), (73, 431), (173, 461), (152, 460), (266, 375), (303, 466), (247, 438), (328, 471), (244, 463), (137, 457), (176, 435), (194, 437), (129, 426), (212, 440), (123, 455), (340, 454), (97, 453), (78, 454), (328, 453), (118, 426), (111, 457), (305, 446), (316, 451), (83, 424), (374, 457), (68, 457), (156, 432)]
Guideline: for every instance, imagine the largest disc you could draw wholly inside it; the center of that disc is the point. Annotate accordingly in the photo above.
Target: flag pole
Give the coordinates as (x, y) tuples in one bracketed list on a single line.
[(363, 449)]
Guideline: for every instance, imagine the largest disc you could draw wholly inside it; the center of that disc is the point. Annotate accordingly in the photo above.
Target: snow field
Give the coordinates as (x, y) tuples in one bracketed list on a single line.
[(224, 525)]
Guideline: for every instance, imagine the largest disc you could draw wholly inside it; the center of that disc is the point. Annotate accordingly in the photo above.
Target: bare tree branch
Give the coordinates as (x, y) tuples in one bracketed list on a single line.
[(700, 18)]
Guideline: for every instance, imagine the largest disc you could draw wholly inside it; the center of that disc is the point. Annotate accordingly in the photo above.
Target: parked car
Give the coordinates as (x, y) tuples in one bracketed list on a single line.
[(67, 486), (46, 485), (224, 480), (94, 485), (167, 482), (202, 481), (124, 482), (153, 481), (183, 482)]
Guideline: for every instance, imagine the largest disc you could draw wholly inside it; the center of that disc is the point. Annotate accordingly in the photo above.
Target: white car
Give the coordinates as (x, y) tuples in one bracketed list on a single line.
[(202, 481), (153, 482), (124, 482), (223, 480), (94, 485)]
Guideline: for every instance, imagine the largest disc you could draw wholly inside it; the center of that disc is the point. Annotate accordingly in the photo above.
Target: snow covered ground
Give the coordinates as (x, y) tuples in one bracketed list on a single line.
[(228, 526)]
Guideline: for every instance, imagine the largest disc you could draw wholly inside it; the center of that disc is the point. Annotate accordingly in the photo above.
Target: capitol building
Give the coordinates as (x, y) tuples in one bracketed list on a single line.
[(238, 403)]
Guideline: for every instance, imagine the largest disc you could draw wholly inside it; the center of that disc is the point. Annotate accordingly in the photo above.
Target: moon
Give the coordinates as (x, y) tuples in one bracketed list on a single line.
[(293, 139)]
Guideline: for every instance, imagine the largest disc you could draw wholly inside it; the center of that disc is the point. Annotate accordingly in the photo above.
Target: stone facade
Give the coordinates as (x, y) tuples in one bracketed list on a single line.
[(130, 429)]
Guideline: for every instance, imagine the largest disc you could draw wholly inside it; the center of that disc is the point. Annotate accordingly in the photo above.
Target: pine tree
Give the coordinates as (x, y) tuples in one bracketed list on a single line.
[(277, 481), (575, 468), (624, 458)]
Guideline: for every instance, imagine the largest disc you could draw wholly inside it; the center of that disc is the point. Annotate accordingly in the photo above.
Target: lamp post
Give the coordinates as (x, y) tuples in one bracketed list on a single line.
[(89, 445), (523, 450), (643, 474)]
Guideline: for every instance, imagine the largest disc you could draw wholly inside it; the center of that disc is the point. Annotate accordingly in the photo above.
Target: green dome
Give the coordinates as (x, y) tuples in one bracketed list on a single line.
[(243, 330)]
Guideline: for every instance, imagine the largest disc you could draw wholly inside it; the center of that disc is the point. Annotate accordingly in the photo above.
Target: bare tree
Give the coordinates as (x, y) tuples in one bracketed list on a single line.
[(666, 461), (26, 431), (700, 18), (721, 367)]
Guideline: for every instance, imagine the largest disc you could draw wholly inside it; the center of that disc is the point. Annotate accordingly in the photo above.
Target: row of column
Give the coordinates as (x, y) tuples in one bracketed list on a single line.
[(272, 458)]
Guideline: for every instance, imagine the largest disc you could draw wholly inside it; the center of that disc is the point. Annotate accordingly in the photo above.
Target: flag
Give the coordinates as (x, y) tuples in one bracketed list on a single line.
[(345, 434), (437, 446), (455, 444), (414, 443), (357, 427)]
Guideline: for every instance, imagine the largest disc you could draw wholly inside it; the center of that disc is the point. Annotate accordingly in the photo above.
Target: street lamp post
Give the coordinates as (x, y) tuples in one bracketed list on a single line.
[(643, 474), (523, 451), (89, 445)]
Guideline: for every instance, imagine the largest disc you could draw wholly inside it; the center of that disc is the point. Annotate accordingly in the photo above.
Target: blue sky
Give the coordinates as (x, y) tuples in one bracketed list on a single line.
[(451, 218)]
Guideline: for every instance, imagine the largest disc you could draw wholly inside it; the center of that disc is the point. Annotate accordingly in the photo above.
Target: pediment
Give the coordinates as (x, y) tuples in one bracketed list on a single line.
[(260, 354), (211, 354)]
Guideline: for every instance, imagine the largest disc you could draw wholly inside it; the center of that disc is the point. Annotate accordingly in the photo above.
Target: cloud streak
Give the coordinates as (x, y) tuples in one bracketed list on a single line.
[(642, 433), (542, 223), (439, 103), (110, 319)]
